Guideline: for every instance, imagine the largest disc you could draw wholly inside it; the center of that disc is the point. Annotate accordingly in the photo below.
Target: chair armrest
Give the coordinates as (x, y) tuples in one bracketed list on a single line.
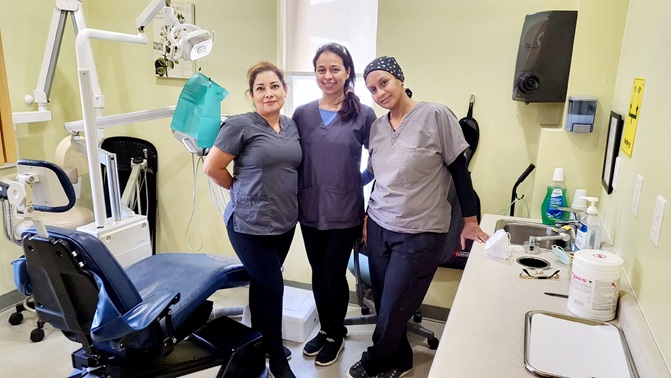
[(21, 278), (150, 310), (109, 324)]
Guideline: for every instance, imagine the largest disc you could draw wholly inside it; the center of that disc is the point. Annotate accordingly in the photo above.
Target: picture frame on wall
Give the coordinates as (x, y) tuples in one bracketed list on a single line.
[(167, 64), (615, 126)]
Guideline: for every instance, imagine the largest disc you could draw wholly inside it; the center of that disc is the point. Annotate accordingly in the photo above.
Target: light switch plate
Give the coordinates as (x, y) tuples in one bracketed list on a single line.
[(657, 218), (616, 172), (637, 195)]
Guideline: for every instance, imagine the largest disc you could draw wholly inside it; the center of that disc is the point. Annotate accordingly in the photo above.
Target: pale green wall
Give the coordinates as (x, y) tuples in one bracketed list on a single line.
[(645, 53), (24, 32), (448, 50), (245, 32)]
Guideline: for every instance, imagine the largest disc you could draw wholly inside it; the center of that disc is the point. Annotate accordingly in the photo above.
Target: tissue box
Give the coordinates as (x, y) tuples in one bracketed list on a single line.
[(299, 314)]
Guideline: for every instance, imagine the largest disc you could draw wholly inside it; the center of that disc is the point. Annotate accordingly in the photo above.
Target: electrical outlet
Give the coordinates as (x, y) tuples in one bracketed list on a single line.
[(657, 218), (637, 195)]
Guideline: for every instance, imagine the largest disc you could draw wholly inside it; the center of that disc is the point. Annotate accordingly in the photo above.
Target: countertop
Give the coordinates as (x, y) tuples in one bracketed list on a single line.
[(484, 332)]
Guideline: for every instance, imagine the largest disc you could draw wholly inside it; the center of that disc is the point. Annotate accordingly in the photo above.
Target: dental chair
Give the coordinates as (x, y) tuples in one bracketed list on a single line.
[(19, 207), (148, 320), (358, 266)]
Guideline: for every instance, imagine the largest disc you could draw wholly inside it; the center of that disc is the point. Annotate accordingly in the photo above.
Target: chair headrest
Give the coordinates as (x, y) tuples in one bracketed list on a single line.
[(53, 192)]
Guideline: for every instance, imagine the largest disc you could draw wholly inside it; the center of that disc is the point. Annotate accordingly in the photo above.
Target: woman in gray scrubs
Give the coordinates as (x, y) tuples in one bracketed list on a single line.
[(416, 153), (262, 214), (333, 130)]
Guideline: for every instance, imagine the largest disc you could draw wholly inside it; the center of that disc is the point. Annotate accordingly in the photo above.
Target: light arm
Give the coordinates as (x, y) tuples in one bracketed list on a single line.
[(149, 13)]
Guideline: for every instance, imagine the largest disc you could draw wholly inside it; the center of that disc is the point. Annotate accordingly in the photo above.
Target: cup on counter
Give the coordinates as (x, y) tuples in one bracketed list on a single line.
[(578, 202)]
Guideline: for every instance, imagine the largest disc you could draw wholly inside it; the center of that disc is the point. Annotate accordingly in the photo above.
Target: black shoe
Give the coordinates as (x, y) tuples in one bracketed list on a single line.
[(287, 353), (394, 373), (358, 371), (330, 352), (315, 345), (282, 372)]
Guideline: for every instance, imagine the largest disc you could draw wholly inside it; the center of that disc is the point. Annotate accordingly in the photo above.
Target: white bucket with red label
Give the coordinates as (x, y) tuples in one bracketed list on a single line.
[(595, 284)]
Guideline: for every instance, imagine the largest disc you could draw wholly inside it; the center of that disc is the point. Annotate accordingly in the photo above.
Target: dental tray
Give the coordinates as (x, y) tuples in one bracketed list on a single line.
[(557, 345)]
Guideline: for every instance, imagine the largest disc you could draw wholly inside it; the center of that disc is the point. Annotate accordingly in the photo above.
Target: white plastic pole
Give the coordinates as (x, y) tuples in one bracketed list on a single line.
[(88, 110)]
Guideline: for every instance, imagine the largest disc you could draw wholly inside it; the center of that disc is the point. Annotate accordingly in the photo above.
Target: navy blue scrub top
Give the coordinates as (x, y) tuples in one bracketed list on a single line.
[(330, 190)]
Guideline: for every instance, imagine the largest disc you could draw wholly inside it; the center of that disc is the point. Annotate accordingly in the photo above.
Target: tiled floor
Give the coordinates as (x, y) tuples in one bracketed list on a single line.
[(51, 357)]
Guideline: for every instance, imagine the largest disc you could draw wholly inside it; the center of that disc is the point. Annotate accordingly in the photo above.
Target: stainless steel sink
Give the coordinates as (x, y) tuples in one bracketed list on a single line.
[(521, 231)]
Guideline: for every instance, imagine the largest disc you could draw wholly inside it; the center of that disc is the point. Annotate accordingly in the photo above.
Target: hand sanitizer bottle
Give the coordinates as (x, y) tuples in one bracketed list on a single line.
[(589, 229), (554, 199)]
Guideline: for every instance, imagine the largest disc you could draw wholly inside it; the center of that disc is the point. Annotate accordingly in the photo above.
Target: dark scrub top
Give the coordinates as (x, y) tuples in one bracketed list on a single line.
[(330, 191), (265, 174)]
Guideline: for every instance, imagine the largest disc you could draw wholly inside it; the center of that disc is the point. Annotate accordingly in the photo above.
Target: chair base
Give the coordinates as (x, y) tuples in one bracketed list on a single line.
[(221, 342), (16, 318), (413, 327)]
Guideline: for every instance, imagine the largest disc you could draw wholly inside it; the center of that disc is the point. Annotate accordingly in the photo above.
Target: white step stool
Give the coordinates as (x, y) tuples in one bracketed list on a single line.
[(299, 314)]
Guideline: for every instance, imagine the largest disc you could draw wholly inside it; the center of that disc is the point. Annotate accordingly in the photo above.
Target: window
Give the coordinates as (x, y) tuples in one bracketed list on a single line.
[(308, 24)]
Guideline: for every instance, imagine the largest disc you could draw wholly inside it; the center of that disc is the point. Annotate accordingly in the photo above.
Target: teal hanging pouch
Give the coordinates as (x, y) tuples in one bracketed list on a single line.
[(198, 110)]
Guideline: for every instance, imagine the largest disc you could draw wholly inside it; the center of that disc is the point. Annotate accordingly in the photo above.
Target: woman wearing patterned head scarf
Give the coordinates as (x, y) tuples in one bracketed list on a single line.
[(416, 153)]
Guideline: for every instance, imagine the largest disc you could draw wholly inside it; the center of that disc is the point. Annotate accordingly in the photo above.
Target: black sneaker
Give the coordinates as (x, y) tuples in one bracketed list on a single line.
[(287, 353), (313, 346), (282, 372), (358, 371), (394, 373), (330, 352)]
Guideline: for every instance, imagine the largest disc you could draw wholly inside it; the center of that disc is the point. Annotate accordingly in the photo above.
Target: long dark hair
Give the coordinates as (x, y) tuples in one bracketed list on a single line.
[(351, 105)]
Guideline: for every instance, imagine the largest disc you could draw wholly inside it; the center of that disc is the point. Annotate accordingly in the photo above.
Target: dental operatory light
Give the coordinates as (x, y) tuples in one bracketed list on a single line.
[(190, 42), (187, 41)]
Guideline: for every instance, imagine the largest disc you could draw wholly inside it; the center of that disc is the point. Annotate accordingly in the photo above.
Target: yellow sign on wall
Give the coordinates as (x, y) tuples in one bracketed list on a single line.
[(632, 116)]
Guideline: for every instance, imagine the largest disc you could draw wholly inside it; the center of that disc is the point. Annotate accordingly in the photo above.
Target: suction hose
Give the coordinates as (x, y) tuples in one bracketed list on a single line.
[(523, 177)]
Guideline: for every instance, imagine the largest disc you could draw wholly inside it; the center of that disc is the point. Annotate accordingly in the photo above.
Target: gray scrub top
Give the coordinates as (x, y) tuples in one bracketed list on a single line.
[(265, 174), (330, 191), (410, 168)]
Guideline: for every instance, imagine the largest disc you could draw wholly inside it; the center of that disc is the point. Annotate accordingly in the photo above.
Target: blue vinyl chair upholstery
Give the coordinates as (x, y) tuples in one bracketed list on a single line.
[(134, 322), (129, 298)]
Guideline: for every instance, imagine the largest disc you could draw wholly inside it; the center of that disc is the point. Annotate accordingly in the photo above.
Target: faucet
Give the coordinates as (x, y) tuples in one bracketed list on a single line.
[(566, 234)]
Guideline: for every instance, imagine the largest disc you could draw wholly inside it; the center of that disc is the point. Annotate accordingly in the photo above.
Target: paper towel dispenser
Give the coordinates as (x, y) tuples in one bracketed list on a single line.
[(544, 57)]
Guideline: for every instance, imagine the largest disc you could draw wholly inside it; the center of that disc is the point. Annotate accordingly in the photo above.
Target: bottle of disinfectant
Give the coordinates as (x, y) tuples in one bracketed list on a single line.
[(554, 199), (589, 230)]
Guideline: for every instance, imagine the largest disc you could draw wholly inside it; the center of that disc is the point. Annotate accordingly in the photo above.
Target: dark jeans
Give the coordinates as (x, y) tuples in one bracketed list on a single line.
[(262, 257), (401, 269), (328, 253)]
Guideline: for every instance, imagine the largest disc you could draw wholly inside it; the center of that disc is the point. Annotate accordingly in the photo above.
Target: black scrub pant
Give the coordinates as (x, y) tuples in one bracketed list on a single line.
[(401, 269), (262, 257), (328, 252)]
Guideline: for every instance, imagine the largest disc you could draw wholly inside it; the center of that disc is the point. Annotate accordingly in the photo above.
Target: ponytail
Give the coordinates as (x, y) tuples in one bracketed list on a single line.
[(351, 105), (408, 92)]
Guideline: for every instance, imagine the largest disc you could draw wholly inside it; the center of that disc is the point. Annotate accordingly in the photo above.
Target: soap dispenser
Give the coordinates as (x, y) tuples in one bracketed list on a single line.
[(589, 229)]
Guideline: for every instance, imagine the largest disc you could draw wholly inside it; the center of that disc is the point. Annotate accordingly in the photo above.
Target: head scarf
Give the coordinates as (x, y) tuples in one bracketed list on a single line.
[(385, 63)]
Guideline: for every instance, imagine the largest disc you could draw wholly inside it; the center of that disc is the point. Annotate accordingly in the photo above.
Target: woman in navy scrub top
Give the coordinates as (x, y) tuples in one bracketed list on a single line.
[(333, 131), (262, 214), (416, 153)]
